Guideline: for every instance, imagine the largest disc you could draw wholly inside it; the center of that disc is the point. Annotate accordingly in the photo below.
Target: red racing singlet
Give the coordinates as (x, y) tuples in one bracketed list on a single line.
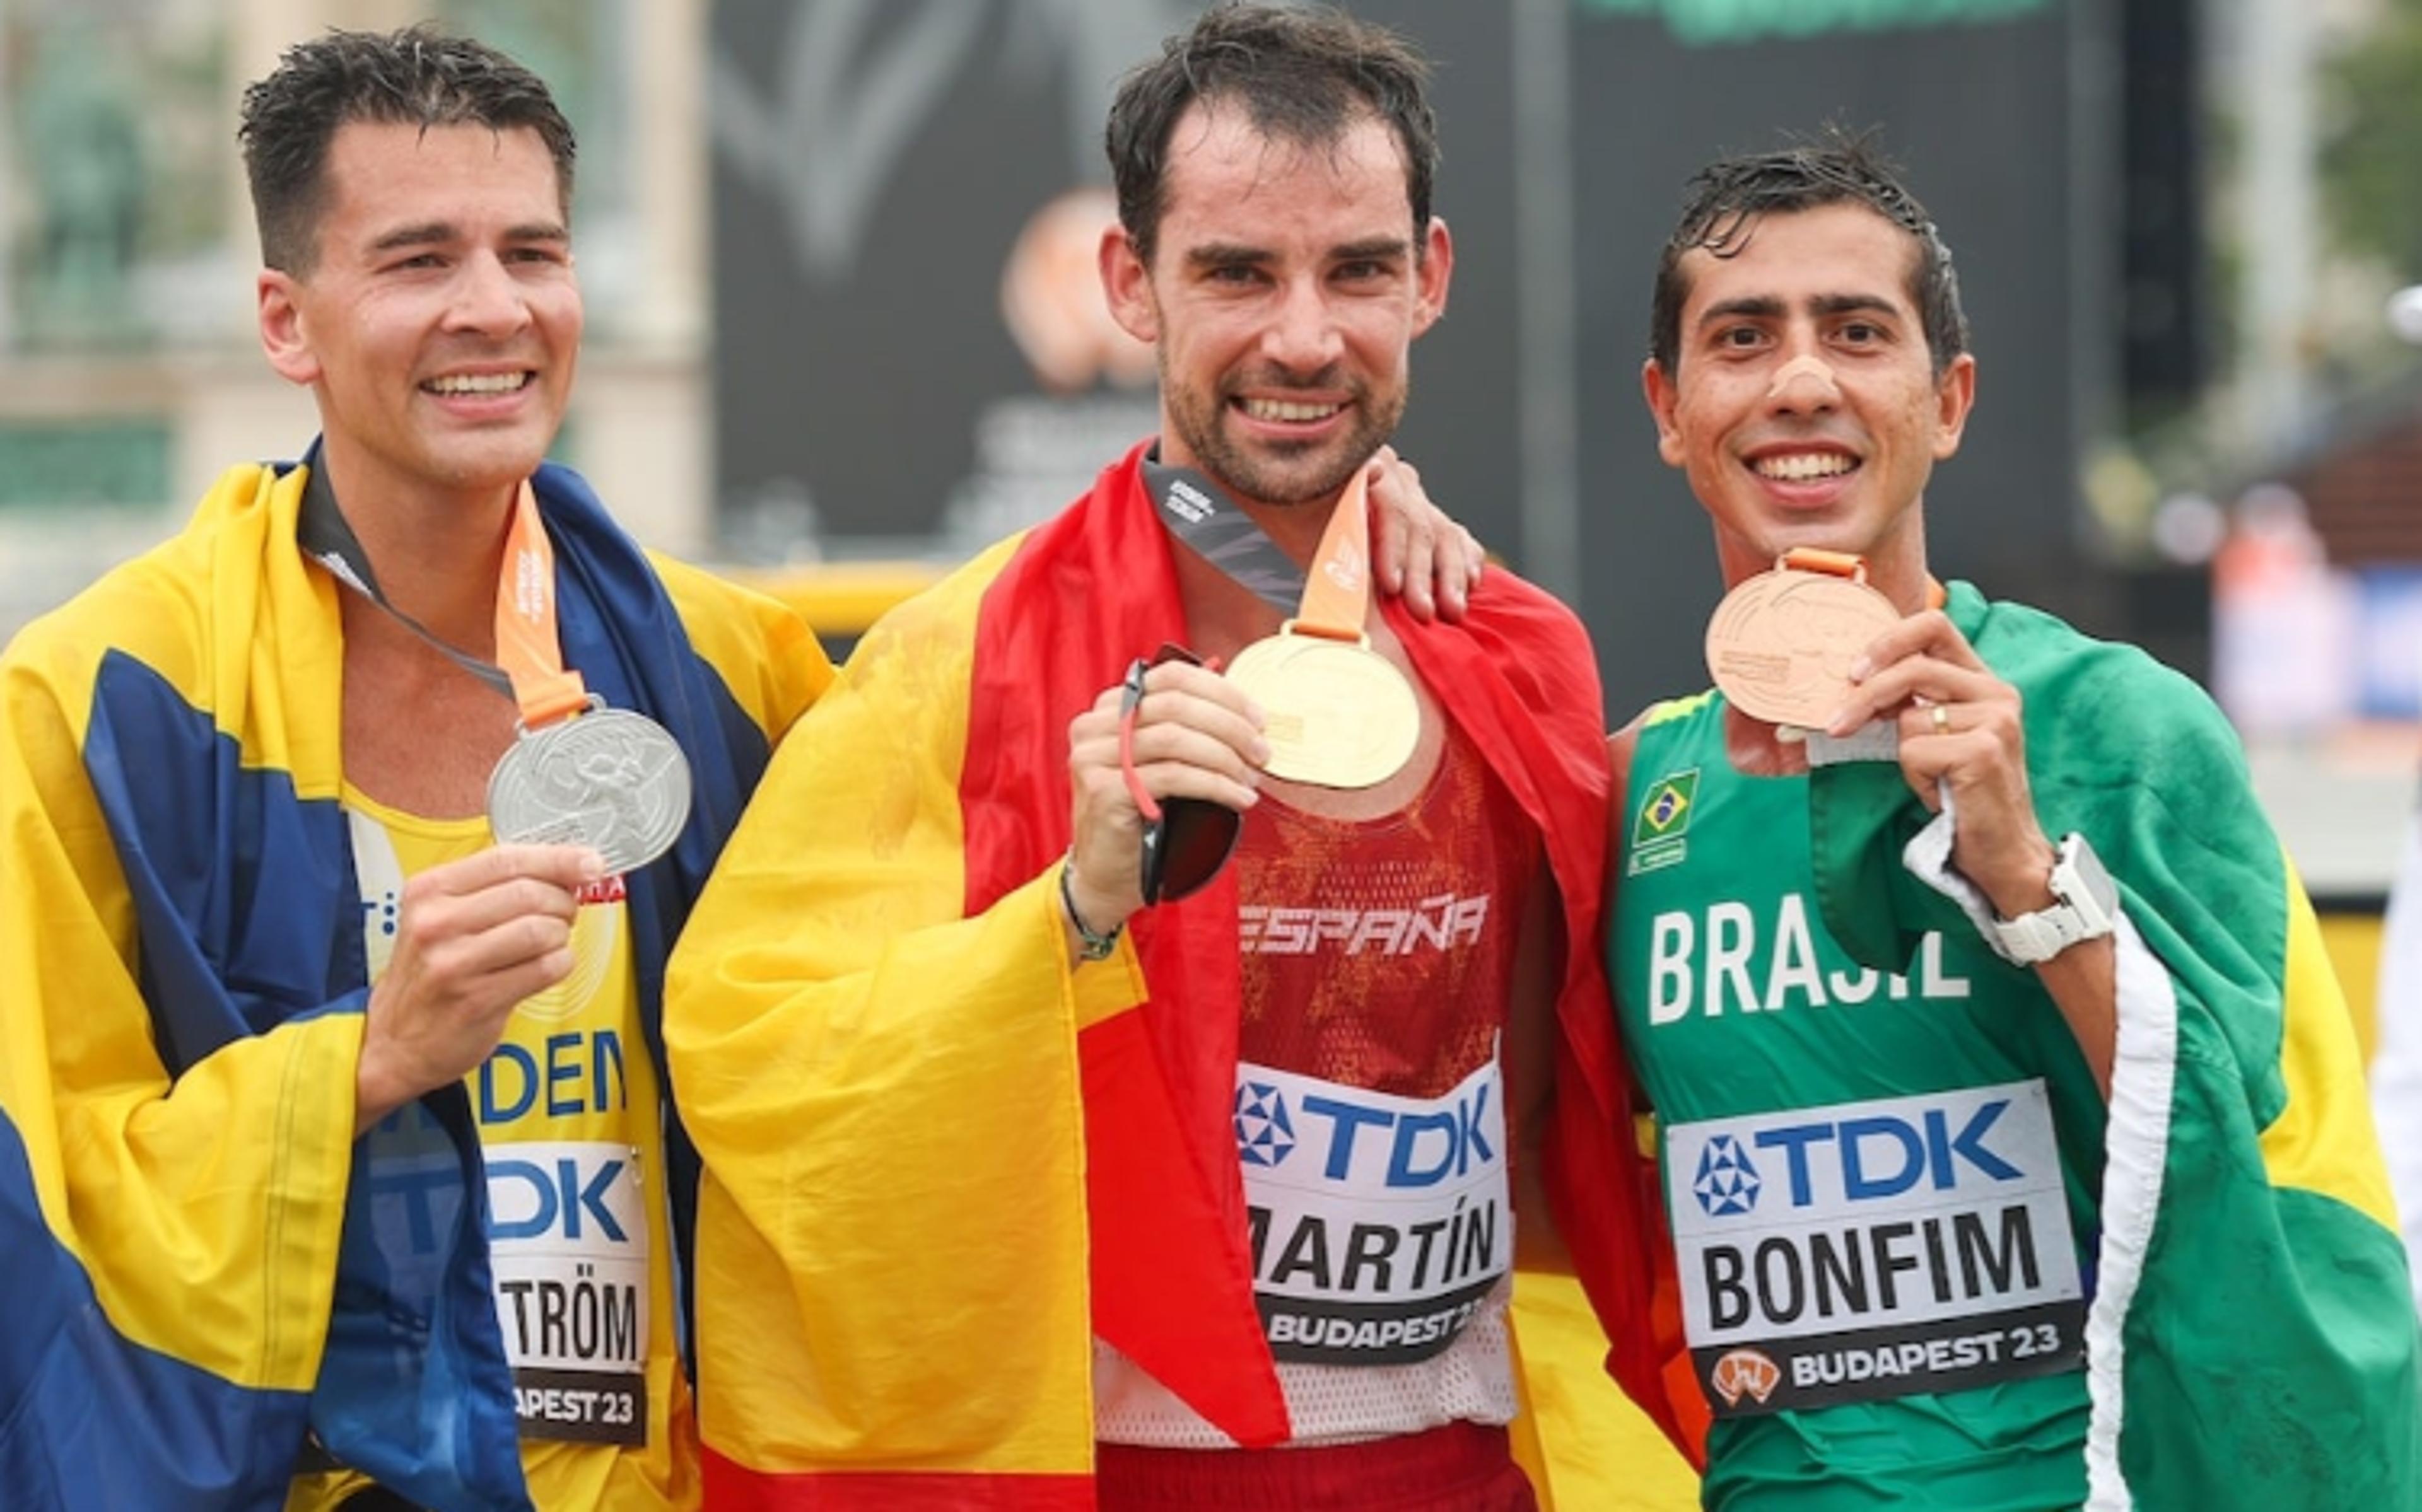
[(1379, 953), (1369, 1113)]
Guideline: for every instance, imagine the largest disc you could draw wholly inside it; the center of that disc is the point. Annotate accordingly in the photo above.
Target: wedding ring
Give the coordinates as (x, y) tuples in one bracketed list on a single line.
[(1941, 717)]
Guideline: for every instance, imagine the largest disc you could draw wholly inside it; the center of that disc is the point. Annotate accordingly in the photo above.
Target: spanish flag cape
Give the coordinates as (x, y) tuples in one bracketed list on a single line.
[(201, 1259), (939, 1157)]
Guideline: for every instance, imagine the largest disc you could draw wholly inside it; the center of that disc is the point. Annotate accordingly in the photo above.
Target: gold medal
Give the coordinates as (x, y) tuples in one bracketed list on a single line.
[(1338, 714), (1782, 642)]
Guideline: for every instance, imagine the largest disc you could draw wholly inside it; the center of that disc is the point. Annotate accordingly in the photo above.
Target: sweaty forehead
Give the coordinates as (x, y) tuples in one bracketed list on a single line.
[(1821, 257)]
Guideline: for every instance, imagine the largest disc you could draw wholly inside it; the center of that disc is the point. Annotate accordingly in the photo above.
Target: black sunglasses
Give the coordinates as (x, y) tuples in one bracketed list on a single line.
[(1185, 840)]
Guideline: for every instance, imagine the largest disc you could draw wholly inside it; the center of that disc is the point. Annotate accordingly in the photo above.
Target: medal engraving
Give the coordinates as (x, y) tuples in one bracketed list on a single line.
[(610, 779), (1782, 642), (1338, 714)]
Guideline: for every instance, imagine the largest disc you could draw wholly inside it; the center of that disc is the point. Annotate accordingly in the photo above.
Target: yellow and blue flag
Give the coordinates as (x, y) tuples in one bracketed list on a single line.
[(205, 1264)]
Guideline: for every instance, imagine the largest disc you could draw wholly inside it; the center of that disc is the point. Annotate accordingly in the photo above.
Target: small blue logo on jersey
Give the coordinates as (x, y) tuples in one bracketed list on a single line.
[(1265, 1133), (1727, 1183)]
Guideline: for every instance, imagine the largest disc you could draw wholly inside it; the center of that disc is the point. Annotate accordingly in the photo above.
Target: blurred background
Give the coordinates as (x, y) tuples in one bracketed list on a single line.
[(843, 323)]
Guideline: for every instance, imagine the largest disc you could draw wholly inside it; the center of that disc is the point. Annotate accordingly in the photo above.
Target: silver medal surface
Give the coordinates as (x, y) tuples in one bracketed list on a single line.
[(610, 779)]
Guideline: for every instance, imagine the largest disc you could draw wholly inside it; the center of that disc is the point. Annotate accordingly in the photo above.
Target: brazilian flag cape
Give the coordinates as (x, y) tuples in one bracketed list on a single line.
[(201, 1261), (941, 1157), (2251, 1338)]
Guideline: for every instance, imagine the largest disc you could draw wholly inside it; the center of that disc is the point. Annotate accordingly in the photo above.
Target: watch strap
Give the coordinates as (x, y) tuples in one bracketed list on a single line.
[(2074, 916), (2033, 938), (2026, 941)]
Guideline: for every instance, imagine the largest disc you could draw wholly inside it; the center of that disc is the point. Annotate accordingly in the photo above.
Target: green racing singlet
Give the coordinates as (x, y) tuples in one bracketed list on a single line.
[(1884, 1241)]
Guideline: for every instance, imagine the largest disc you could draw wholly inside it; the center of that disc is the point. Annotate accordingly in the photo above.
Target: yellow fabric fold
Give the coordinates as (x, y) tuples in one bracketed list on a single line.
[(886, 1096), (206, 1215), (766, 655), (1584, 1445), (2323, 1140)]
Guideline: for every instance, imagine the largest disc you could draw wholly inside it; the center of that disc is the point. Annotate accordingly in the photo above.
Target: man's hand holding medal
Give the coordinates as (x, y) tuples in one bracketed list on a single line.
[(1163, 765), (1961, 736), (1810, 647), (474, 938)]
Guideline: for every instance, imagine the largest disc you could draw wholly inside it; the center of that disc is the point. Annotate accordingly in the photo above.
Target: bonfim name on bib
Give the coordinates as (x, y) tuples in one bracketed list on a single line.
[(1873, 1249)]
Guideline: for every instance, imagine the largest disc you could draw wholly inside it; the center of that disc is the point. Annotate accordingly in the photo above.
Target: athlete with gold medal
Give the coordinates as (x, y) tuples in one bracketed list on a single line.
[(1197, 1024), (1280, 287)]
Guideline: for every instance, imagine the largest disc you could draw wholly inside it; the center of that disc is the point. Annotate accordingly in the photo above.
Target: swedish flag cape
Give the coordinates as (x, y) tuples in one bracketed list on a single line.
[(2250, 1340), (192, 1242), (941, 1158)]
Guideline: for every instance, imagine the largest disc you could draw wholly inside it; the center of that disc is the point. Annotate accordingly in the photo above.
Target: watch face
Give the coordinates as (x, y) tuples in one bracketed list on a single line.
[(2079, 857)]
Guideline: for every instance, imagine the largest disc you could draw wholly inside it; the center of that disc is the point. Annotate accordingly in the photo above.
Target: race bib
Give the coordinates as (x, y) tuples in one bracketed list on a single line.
[(1873, 1249), (1378, 1224), (569, 1244)]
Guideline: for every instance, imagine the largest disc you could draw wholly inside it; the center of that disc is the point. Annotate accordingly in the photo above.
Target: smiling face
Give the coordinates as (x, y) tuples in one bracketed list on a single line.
[(440, 322), (1805, 406), (1283, 296)]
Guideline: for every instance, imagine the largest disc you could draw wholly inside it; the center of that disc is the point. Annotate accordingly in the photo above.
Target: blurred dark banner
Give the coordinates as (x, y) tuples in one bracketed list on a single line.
[(910, 345)]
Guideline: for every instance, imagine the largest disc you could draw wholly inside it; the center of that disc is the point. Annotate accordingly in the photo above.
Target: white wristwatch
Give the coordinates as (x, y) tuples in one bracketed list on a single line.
[(2085, 906)]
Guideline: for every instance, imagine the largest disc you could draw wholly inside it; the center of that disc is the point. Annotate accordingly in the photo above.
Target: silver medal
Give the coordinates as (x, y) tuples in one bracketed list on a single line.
[(608, 779)]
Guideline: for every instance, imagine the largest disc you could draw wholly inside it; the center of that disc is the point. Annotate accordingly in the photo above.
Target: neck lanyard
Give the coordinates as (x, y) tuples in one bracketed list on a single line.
[(1330, 600), (527, 641)]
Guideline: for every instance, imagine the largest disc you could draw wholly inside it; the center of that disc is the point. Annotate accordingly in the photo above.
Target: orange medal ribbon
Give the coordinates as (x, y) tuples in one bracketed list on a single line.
[(1337, 590), (610, 778), (1848, 564), (1337, 713), (528, 645)]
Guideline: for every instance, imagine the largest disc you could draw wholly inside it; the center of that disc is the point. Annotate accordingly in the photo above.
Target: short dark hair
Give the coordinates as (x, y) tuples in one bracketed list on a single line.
[(1725, 199), (1302, 75), (417, 76)]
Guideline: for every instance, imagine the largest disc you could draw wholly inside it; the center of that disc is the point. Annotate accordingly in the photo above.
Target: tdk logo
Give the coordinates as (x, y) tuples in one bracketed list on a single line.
[(1882, 1155), (1265, 1133), (1419, 1149), (1410, 1149), (1727, 1183), (530, 1200)]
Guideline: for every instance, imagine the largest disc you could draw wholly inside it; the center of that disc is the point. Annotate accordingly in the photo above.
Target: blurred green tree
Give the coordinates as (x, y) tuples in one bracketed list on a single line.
[(2372, 141)]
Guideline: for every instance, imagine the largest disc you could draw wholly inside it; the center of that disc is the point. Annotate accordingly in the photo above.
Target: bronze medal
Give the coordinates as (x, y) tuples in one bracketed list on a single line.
[(1338, 714), (1782, 642)]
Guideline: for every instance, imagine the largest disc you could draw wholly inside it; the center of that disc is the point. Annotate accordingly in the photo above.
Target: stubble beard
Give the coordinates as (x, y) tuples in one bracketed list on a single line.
[(1282, 474)]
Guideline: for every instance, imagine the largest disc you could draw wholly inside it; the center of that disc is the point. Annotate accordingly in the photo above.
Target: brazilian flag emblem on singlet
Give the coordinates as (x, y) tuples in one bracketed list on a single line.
[(1664, 816)]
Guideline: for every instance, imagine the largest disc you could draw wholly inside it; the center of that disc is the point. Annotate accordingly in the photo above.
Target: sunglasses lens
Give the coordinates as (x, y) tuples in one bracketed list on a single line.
[(1195, 840), (1187, 846), (1156, 856)]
